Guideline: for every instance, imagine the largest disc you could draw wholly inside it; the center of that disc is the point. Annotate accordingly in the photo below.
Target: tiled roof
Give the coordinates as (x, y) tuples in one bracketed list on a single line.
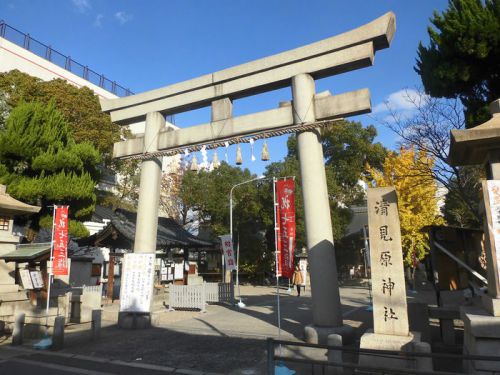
[(122, 223), (25, 253)]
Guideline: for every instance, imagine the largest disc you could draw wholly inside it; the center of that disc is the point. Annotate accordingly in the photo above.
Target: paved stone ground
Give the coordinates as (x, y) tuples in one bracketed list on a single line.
[(224, 340)]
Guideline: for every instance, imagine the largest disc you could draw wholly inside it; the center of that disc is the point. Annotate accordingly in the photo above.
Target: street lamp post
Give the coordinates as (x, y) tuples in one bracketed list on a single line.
[(240, 303)]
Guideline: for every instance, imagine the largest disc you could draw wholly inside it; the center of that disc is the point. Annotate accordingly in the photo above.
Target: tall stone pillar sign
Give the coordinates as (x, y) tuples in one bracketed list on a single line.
[(390, 314)]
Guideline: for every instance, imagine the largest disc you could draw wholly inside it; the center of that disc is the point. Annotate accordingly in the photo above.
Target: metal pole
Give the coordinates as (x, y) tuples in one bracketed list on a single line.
[(223, 268), (231, 233), (367, 250), (49, 274), (240, 303), (276, 258), (363, 251), (367, 254)]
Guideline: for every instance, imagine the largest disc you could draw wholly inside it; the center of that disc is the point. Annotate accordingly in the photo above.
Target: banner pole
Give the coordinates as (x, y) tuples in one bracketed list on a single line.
[(276, 258), (49, 274)]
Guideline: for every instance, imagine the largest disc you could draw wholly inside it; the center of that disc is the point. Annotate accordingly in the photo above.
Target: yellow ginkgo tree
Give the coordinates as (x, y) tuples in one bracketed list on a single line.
[(407, 172)]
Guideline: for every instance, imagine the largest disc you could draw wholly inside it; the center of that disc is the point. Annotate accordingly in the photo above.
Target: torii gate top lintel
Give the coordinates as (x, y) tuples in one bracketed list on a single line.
[(344, 52)]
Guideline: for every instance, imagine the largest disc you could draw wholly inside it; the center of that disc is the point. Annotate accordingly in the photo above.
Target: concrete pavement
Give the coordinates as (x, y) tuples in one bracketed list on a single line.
[(225, 340)]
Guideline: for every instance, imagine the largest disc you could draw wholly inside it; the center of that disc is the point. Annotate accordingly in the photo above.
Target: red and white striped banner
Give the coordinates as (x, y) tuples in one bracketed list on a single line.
[(285, 218)]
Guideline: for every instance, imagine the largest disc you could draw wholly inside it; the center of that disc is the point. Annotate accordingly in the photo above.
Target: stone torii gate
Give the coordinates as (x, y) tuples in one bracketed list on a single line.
[(308, 111)]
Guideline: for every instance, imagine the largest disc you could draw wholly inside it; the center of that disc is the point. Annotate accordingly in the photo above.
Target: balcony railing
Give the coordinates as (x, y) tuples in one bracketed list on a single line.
[(47, 52)]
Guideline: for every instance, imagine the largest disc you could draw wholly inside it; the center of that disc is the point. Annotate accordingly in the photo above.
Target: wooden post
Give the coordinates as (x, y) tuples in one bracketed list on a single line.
[(111, 274)]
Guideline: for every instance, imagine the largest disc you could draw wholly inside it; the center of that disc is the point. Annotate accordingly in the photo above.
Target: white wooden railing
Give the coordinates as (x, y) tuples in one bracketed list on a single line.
[(197, 296), (219, 292)]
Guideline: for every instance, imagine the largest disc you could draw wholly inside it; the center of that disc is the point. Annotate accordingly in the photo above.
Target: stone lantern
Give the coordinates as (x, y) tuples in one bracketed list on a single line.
[(10, 207), (481, 145)]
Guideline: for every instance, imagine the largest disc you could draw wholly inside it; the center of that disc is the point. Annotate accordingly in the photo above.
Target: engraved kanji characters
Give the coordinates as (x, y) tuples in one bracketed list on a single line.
[(389, 314), (387, 286), (381, 207), (385, 258), (384, 233)]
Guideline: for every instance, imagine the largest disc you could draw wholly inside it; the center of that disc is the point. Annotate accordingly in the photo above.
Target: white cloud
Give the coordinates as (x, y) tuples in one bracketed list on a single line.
[(82, 6), (123, 17), (98, 20), (402, 100)]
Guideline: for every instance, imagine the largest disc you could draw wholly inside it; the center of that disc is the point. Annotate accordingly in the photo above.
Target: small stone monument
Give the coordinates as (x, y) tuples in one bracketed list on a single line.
[(390, 314)]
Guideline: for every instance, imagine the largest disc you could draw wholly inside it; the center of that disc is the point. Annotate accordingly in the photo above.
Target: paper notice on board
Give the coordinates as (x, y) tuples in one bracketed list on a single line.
[(137, 282)]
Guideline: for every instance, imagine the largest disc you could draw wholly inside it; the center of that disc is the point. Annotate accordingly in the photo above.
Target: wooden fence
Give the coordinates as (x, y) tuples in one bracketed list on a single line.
[(219, 292), (197, 296)]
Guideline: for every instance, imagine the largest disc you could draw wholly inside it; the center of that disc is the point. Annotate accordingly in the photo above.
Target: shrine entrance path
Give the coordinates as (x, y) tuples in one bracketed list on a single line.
[(224, 340)]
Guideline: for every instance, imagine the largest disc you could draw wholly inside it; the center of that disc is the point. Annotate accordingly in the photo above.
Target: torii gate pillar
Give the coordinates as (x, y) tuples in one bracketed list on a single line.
[(149, 193), (147, 209), (326, 307)]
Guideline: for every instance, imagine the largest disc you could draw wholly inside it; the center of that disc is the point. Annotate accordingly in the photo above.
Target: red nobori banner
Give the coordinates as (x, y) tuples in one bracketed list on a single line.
[(285, 217), (60, 249)]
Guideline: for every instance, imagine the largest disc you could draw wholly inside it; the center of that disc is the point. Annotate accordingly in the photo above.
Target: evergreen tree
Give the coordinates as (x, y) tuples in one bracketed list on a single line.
[(463, 58), (79, 107), (42, 164)]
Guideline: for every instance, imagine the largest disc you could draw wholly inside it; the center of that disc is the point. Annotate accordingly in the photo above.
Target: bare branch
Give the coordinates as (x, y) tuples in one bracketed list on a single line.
[(426, 127)]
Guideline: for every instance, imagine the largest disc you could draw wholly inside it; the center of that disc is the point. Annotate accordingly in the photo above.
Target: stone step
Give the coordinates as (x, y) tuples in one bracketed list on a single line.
[(13, 296), (8, 288)]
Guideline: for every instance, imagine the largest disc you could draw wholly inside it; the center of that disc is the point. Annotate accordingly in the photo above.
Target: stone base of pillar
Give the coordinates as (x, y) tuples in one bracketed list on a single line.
[(129, 320), (332, 336), (492, 305), (410, 343), (481, 337), (319, 335)]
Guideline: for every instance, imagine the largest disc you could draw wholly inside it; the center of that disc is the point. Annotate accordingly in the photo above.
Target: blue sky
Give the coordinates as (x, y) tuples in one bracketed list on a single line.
[(148, 44)]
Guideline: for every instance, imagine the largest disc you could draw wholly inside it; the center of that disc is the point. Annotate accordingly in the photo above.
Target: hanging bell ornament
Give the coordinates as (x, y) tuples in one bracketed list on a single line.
[(265, 152), (216, 162), (194, 164), (239, 159)]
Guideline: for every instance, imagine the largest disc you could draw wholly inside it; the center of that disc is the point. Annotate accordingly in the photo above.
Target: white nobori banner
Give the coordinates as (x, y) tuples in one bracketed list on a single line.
[(227, 249)]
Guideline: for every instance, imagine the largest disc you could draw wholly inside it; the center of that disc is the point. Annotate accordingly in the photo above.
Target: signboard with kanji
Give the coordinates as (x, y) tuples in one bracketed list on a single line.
[(285, 218), (26, 279), (136, 291), (37, 280), (227, 250), (60, 242), (390, 316)]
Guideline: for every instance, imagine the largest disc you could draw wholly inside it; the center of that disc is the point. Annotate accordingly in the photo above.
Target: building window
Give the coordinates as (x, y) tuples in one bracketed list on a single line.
[(96, 270), (4, 223)]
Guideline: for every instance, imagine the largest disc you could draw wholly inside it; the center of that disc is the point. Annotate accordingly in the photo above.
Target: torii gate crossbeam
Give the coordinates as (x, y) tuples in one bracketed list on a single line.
[(297, 68)]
